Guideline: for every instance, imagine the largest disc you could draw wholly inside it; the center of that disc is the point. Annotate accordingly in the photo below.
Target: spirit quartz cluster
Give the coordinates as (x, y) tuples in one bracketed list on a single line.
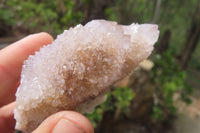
[(78, 68)]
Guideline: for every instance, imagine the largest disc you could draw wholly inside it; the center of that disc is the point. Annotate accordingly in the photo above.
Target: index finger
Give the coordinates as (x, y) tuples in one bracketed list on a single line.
[(11, 60)]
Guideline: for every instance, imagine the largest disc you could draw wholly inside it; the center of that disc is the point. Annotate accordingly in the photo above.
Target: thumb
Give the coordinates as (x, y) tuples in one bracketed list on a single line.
[(65, 122)]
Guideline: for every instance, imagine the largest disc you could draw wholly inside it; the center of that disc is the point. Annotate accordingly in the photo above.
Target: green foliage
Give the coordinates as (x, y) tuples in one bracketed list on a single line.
[(157, 113), (46, 15), (96, 116), (168, 79), (123, 97), (6, 15), (120, 97)]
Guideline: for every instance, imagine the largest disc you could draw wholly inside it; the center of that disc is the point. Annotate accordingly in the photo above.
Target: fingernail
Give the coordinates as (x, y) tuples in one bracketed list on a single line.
[(66, 126)]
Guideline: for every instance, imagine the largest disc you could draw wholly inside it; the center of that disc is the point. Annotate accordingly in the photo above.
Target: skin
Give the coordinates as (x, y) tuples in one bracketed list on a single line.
[(11, 61)]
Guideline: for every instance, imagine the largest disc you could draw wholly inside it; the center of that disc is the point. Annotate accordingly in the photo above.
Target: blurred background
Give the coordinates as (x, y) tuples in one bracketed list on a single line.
[(163, 94)]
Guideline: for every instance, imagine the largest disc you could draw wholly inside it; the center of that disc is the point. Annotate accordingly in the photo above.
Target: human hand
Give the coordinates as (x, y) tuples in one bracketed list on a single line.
[(11, 60)]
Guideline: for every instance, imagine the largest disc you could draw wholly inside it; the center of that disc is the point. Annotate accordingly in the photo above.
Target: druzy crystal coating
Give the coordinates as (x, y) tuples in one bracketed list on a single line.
[(78, 68)]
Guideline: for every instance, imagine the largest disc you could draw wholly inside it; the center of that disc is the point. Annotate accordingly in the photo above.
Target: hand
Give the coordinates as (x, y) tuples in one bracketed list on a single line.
[(11, 60)]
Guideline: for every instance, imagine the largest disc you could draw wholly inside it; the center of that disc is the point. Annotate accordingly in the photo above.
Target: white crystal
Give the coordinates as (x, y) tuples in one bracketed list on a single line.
[(81, 64)]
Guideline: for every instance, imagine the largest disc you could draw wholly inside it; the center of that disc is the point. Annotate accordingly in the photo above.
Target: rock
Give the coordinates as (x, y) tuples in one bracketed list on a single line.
[(78, 68)]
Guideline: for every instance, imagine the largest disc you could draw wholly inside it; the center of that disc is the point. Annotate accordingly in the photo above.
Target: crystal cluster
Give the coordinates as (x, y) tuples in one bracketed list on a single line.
[(77, 69)]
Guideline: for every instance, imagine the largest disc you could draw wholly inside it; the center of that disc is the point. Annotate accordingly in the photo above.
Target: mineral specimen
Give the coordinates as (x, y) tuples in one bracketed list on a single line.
[(77, 69)]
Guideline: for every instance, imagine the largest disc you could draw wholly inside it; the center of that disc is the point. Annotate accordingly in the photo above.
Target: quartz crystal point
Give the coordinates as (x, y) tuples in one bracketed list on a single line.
[(78, 68)]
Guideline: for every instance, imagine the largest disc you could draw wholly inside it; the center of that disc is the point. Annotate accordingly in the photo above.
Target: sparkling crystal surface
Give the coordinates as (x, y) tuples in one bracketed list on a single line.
[(77, 69)]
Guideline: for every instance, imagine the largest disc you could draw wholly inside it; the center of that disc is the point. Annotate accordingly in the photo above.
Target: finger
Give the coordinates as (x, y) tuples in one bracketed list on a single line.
[(7, 121), (65, 122), (10, 96), (12, 57)]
